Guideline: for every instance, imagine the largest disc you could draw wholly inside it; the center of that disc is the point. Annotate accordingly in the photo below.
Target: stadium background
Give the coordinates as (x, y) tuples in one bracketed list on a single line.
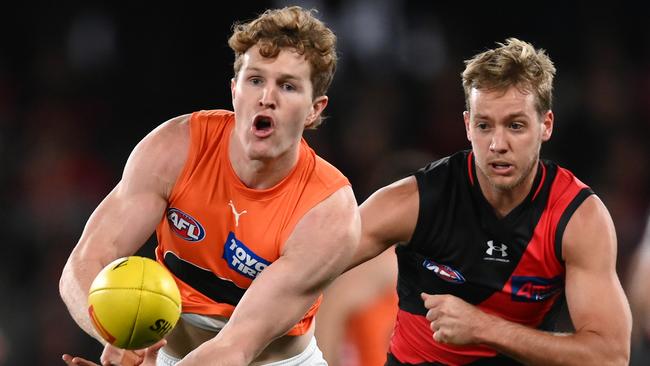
[(82, 82)]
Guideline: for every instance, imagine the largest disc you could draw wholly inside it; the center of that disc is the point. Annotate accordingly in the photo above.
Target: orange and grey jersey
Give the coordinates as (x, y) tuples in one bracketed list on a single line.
[(511, 266), (217, 234)]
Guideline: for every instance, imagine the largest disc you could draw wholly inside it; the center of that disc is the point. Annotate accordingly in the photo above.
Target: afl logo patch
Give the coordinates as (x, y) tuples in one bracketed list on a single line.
[(184, 225), (444, 272)]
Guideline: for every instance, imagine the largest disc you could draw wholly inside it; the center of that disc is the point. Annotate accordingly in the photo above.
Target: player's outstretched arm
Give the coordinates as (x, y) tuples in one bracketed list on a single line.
[(597, 305), (388, 217), (128, 215), (317, 251)]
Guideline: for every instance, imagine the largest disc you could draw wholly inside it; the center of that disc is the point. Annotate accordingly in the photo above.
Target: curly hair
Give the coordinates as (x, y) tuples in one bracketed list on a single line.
[(290, 27), (513, 63)]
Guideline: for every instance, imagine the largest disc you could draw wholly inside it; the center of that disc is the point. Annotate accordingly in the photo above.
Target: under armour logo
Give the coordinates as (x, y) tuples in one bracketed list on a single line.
[(234, 212), (500, 248)]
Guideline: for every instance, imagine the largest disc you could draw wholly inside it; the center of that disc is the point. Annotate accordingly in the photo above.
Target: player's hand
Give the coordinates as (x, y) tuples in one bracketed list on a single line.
[(453, 320), (117, 356), (113, 356), (72, 361)]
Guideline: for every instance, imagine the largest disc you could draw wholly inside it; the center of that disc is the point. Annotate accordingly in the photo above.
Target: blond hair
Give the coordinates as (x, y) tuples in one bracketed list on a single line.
[(513, 63), (292, 27)]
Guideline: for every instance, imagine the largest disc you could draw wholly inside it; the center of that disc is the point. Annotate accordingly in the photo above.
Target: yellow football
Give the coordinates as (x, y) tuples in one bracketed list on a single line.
[(134, 302)]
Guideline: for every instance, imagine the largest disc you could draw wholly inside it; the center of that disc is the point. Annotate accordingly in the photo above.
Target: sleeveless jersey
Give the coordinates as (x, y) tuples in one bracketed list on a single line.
[(217, 234), (510, 267)]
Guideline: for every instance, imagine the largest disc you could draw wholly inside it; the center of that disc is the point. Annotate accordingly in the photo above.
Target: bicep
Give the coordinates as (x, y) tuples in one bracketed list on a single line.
[(128, 215), (388, 217), (594, 294), (120, 224), (324, 240)]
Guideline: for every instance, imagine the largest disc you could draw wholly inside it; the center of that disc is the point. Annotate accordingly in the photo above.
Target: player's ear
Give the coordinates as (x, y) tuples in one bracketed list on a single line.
[(547, 125), (232, 88), (317, 108)]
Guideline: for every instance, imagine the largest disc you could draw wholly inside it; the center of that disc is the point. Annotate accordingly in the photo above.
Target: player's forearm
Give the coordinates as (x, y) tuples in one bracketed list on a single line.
[(256, 324), (73, 287), (249, 331), (284, 292), (535, 347)]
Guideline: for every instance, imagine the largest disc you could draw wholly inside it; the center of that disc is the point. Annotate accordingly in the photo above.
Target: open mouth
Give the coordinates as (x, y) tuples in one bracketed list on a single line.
[(262, 123), (262, 126), (500, 166)]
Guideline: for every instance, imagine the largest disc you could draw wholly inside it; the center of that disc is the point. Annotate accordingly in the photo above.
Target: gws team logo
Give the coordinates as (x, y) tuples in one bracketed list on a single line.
[(496, 252), (185, 225), (445, 272), (534, 289), (241, 259)]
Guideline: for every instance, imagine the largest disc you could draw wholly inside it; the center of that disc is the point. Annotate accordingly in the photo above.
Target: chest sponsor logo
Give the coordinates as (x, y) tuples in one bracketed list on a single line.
[(185, 225), (496, 252), (241, 259), (534, 289), (443, 271)]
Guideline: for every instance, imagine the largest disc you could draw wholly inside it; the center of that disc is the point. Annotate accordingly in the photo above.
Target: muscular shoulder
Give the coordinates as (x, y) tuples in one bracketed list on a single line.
[(337, 215), (391, 213), (403, 190), (160, 156), (328, 233), (589, 234)]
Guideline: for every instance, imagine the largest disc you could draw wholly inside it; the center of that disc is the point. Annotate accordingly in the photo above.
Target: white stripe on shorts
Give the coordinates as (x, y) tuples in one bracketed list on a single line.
[(311, 356), (164, 359)]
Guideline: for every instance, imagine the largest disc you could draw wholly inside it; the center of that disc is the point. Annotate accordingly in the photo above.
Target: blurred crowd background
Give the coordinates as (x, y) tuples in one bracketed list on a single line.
[(81, 83)]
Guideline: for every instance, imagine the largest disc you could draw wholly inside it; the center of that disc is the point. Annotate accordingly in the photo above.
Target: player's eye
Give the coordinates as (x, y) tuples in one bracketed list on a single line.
[(288, 87), (255, 80)]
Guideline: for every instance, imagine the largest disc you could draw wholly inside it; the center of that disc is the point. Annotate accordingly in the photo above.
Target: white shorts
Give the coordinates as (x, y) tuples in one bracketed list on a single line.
[(164, 359), (311, 356)]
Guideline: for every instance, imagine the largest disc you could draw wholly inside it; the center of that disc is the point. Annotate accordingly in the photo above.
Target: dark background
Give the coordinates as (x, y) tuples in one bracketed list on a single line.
[(81, 83)]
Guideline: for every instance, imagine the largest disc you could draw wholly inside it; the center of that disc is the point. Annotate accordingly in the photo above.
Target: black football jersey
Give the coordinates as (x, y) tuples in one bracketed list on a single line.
[(511, 266)]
